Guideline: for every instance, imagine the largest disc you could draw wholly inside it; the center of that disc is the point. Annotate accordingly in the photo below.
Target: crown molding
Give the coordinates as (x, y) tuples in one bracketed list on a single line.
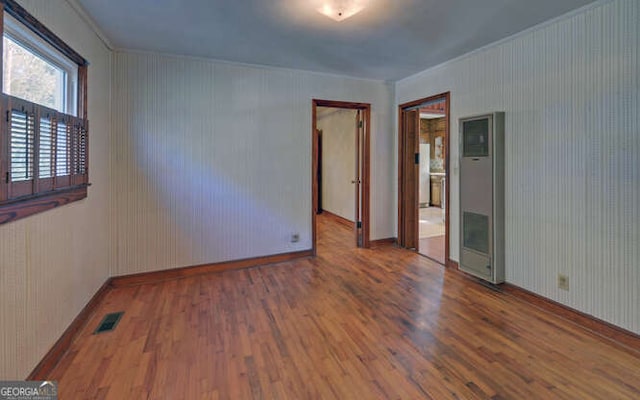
[(77, 7)]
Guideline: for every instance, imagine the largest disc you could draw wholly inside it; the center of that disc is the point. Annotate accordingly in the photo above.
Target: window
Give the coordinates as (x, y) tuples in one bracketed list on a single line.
[(44, 132)]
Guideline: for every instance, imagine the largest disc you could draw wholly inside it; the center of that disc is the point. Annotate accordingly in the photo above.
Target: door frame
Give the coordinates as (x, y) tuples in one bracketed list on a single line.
[(366, 165), (401, 154)]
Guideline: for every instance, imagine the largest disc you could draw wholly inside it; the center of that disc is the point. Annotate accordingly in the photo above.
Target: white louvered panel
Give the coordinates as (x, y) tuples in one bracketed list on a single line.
[(570, 91), (213, 160)]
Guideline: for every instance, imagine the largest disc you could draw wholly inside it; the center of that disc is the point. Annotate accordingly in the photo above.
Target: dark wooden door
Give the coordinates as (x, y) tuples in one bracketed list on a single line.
[(411, 139), (358, 176), (318, 139)]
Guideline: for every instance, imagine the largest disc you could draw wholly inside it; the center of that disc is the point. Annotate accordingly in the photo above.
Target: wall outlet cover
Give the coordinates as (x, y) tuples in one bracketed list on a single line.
[(563, 282)]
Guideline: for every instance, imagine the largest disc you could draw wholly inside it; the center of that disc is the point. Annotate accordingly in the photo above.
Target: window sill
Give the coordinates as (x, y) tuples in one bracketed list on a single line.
[(20, 208)]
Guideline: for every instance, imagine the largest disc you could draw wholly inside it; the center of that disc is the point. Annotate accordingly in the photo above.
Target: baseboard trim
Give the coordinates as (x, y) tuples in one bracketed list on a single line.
[(61, 347), (184, 272), (452, 264), (600, 327), (339, 219), (44, 368), (621, 336), (383, 242)]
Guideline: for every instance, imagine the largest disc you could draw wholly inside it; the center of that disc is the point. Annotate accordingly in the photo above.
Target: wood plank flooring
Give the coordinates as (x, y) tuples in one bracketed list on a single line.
[(433, 247), (348, 324)]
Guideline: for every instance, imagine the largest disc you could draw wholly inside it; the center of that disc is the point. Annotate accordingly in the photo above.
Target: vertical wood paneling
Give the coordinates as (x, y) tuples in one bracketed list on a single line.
[(570, 92), (52, 263), (213, 160)]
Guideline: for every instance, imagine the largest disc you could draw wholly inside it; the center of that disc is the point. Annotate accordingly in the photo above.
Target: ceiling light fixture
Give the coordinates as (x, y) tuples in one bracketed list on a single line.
[(340, 10)]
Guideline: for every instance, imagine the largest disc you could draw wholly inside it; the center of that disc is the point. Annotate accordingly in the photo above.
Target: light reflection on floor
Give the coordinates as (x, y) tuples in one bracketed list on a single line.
[(431, 222)]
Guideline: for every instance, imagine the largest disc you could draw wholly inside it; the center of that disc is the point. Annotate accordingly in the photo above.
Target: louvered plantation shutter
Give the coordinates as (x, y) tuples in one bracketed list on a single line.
[(46, 151), (63, 150), (71, 151), (79, 151), (83, 155), (21, 127)]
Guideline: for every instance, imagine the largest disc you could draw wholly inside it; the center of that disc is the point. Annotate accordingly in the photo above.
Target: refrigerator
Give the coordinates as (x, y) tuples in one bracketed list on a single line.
[(425, 180)]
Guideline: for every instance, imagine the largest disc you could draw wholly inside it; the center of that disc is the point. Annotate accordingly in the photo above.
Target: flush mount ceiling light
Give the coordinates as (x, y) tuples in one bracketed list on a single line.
[(340, 10)]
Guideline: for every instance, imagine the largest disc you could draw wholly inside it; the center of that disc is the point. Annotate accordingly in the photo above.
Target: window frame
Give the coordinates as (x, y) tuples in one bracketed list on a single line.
[(25, 38), (45, 193)]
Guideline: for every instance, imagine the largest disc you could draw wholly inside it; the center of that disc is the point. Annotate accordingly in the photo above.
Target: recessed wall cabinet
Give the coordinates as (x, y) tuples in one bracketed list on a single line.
[(482, 196)]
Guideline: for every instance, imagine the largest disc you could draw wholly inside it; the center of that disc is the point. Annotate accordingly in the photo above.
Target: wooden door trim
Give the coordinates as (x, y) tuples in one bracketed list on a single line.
[(318, 139), (358, 178), (447, 97), (366, 165)]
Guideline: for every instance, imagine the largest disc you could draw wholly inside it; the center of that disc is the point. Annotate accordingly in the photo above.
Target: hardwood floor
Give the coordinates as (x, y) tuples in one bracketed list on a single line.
[(348, 324), (433, 247)]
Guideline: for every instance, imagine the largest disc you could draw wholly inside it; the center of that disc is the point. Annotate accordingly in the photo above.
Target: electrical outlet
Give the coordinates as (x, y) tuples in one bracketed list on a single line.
[(563, 282), (295, 237)]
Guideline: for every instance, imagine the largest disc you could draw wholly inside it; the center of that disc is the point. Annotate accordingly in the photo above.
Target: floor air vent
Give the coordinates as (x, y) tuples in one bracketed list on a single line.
[(109, 322)]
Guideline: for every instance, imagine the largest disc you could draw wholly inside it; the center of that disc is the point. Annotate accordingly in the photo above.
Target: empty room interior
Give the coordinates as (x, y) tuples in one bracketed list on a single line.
[(320, 199)]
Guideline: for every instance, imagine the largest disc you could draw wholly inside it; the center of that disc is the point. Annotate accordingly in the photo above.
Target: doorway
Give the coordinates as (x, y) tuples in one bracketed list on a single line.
[(423, 177), (352, 185)]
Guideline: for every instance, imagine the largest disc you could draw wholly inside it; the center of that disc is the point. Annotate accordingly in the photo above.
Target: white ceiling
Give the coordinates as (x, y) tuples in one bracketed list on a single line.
[(389, 40)]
